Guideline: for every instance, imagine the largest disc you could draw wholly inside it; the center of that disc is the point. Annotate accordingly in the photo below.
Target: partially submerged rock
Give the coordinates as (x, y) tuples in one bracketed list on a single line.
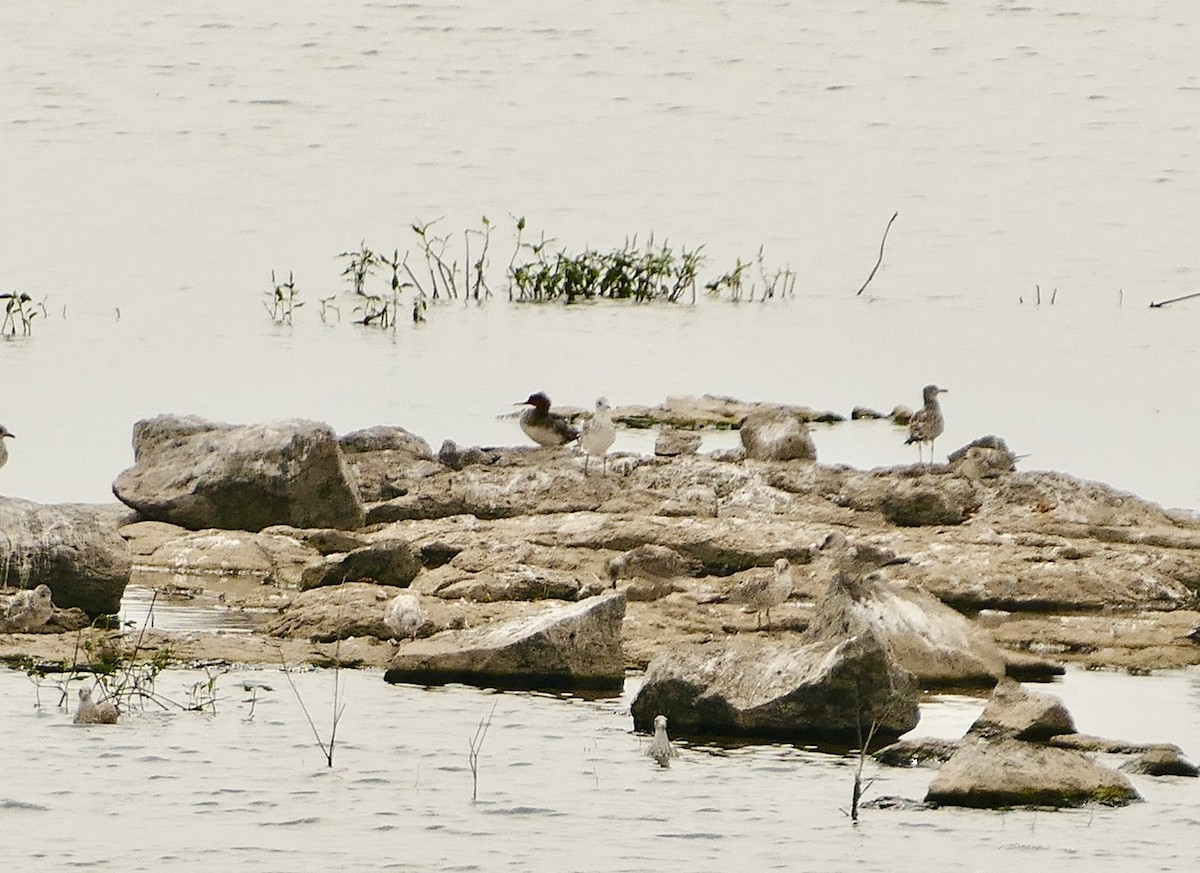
[(917, 752), (777, 434), (1002, 773), (1165, 760), (204, 474), (73, 549), (575, 646), (1015, 712), (819, 688)]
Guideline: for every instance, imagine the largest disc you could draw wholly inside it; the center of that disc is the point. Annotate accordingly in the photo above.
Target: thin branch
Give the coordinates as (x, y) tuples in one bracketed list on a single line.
[(882, 243), (1163, 303)]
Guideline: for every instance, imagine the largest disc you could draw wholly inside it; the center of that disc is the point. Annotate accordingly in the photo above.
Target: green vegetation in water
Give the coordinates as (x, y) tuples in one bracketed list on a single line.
[(19, 309), (456, 266)]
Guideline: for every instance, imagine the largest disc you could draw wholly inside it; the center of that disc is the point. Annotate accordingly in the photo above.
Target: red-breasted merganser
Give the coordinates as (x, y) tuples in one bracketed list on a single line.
[(543, 426)]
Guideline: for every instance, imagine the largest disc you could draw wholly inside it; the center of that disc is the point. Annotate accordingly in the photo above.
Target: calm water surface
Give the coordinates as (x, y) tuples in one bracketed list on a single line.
[(564, 784), (159, 162)]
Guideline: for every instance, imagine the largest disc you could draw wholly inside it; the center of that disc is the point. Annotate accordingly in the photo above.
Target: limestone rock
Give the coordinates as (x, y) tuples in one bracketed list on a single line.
[(671, 443), (74, 549), (25, 610), (917, 752), (929, 503), (514, 582), (271, 558), (1000, 773), (338, 612), (384, 438), (1018, 713), (387, 562), (203, 474), (818, 687), (1161, 761), (776, 434), (384, 462), (568, 646), (925, 637)]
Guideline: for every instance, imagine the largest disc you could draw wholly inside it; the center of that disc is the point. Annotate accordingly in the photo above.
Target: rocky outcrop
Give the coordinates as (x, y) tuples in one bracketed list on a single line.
[(924, 636), (776, 434), (73, 549), (514, 582), (384, 461), (323, 615), (270, 558), (821, 687), (1008, 772), (204, 474), (672, 443), (576, 646), (1164, 760), (385, 561)]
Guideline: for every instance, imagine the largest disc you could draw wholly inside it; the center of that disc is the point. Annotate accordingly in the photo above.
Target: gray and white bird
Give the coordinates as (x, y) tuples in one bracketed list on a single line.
[(90, 712), (543, 426), (927, 423), (4, 432), (763, 590), (598, 433), (404, 615), (26, 610), (661, 749)]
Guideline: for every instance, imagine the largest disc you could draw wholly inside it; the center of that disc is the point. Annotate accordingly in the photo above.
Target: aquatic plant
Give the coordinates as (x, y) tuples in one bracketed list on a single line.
[(628, 273), (338, 706), (18, 309), (359, 265), (283, 299), (476, 745)]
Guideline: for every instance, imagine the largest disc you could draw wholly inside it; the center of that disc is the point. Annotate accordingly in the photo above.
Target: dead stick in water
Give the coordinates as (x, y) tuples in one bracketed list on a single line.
[(1163, 303), (882, 242)]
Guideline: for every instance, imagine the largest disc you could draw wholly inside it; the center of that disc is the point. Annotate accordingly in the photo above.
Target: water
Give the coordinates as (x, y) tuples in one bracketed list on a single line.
[(563, 783), (159, 163)]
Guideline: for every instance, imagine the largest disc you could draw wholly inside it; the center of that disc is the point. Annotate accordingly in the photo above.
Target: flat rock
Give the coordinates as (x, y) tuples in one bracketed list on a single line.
[(917, 752), (384, 561), (73, 549), (270, 558), (203, 474), (514, 582), (340, 612), (995, 774), (575, 646)]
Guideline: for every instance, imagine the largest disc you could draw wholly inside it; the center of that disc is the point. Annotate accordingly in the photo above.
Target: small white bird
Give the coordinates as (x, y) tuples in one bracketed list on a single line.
[(93, 713), (762, 591), (598, 433), (661, 749), (404, 614), (4, 432), (927, 423)]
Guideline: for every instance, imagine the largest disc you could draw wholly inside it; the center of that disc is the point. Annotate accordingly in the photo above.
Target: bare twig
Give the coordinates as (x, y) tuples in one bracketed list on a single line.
[(1163, 303), (882, 243), (476, 744)]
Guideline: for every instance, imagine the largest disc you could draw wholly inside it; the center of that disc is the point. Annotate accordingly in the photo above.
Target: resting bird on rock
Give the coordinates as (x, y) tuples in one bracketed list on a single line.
[(94, 713), (27, 610), (762, 591), (404, 615), (927, 423), (543, 426), (661, 749), (598, 433), (4, 432)]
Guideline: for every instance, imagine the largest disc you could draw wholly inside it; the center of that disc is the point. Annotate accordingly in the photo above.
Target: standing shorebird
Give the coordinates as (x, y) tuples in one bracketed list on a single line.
[(4, 432), (927, 423), (598, 433), (661, 749), (543, 426), (762, 591)]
